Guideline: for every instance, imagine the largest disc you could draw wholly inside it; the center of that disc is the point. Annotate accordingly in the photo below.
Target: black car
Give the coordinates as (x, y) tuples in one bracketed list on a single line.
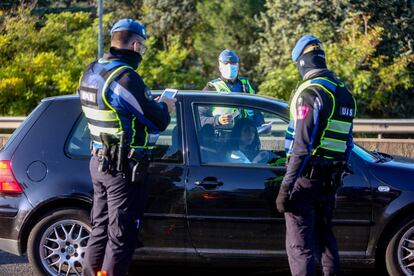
[(209, 201)]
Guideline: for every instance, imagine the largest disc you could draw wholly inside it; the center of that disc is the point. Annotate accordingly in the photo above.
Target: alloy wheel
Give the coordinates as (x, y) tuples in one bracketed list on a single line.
[(406, 252), (62, 247)]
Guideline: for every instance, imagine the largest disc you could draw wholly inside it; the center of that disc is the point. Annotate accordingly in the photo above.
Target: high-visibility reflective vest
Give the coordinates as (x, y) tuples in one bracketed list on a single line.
[(101, 116), (221, 86), (337, 129)]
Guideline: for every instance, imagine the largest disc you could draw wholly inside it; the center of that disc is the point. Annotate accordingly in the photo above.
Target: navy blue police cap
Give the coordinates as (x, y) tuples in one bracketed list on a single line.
[(127, 24), (302, 43), (229, 56)]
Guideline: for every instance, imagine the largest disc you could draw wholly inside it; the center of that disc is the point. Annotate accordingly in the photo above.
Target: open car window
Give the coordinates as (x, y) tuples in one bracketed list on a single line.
[(251, 136)]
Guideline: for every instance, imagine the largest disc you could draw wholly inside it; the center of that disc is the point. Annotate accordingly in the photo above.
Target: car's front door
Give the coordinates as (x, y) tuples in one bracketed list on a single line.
[(231, 192), (232, 186)]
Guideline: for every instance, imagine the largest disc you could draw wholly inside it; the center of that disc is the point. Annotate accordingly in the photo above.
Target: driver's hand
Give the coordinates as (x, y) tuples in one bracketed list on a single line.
[(225, 119), (261, 157)]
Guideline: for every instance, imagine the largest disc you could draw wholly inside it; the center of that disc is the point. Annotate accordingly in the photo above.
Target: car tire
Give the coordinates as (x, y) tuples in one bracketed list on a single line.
[(57, 243), (399, 248)]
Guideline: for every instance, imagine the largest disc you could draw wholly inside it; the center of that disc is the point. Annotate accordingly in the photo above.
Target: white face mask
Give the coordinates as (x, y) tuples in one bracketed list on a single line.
[(229, 71)]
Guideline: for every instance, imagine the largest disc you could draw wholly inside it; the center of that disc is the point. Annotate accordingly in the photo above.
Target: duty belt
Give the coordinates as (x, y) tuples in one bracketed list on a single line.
[(133, 154)]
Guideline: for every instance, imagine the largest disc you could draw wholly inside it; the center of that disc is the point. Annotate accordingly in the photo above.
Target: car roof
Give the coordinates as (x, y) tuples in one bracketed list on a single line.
[(189, 93)]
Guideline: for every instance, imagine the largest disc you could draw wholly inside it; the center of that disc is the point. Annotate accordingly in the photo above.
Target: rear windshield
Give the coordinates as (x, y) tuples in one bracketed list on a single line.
[(21, 127)]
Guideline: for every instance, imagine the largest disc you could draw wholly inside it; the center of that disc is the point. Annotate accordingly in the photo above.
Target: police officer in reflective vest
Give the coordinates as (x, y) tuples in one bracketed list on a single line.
[(124, 122), (318, 144), (229, 81)]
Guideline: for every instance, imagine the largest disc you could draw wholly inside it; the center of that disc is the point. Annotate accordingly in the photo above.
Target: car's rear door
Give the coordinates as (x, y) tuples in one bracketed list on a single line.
[(164, 229), (164, 232)]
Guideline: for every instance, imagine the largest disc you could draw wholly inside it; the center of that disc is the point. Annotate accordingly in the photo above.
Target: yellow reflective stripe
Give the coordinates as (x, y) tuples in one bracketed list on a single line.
[(143, 147), (301, 88), (107, 82), (325, 79), (220, 86), (333, 144), (355, 106), (246, 81), (134, 132), (339, 126), (96, 131), (99, 115), (146, 136)]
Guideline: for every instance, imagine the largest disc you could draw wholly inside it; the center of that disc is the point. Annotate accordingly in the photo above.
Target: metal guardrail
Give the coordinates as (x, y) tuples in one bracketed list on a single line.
[(378, 126), (381, 126), (11, 122)]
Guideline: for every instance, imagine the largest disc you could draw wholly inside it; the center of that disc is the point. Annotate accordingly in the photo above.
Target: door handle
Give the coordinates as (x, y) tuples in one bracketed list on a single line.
[(209, 183)]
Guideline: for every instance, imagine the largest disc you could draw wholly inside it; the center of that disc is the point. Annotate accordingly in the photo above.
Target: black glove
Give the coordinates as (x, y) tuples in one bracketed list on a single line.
[(282, 200)]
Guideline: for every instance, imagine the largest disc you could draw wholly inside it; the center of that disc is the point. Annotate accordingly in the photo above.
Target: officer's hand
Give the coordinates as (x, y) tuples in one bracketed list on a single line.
[(170, 103), (282, 200), (225, 119)]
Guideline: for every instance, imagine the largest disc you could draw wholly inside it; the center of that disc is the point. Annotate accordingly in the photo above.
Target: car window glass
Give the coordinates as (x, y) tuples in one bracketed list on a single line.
[(167, 149), (251, 136), (363, 153)]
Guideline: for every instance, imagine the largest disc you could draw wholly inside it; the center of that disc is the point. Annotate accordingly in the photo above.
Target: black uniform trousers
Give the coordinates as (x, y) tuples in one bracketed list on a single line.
[(309, 232), (118, 205)]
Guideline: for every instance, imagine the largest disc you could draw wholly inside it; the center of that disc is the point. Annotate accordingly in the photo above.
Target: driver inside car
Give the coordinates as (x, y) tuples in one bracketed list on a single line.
[(246, 146)]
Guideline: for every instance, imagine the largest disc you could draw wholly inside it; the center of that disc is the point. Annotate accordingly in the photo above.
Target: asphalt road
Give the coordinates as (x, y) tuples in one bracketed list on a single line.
[(11, 265)]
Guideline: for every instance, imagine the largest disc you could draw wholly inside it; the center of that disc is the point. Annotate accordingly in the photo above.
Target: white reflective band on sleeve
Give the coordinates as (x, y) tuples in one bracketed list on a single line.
[(96, 131), (334, 145), (126, 96), (338, 126), (99, 115), (152, 138)]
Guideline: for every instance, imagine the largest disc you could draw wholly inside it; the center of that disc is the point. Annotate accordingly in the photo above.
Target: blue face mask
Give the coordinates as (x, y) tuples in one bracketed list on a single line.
[(229, 71)]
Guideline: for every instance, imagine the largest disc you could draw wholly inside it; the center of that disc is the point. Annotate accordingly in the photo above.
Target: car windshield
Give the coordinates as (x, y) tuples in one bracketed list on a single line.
[(364, 154)]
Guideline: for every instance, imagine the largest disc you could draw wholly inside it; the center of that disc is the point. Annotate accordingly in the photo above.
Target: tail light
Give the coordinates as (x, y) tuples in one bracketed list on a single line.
[(8, 183)]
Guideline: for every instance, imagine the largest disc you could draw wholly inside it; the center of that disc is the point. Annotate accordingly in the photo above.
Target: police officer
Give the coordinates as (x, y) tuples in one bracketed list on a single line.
[(318, 144), (229, 81), (124, 121)]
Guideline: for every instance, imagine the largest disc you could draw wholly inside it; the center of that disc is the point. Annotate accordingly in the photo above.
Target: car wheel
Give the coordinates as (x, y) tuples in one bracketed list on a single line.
[(57, 244), (399, 255)]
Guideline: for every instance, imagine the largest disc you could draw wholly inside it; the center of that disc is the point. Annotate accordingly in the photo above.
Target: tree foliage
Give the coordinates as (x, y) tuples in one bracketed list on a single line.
[(354, 46), (227, 24), (41, 58), (45, 46)]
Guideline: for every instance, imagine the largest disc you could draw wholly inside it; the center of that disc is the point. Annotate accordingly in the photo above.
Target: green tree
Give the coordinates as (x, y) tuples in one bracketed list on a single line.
[(284, 21), (374, 78), (42, 57), (227, 24), (170, 61), (167, 68)]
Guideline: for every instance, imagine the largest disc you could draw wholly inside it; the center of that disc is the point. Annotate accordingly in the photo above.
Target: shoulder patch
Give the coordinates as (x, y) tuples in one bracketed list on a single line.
[(302, 112)]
